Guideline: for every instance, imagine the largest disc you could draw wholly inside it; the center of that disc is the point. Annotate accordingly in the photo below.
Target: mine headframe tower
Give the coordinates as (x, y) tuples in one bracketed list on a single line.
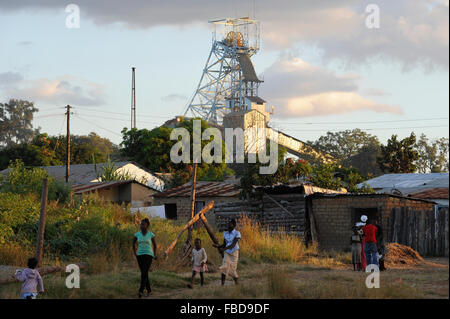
[(229, 76)]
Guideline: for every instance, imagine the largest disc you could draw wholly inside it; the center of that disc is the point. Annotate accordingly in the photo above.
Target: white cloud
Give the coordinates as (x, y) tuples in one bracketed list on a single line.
[(299, 89), (411, 32), (63, 90), (173, 97)]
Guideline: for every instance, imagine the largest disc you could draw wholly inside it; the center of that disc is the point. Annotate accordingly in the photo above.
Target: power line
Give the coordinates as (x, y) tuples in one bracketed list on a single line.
[(369, 129), (124, 120), (95, 124), (361, 122), (118, 113)]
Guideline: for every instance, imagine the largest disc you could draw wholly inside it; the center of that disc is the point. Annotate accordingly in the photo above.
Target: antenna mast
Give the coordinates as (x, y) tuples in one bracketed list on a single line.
[(133, 98)]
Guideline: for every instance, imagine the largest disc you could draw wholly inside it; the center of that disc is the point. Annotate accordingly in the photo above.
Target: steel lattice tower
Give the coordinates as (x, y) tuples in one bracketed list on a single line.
[(229, 75)]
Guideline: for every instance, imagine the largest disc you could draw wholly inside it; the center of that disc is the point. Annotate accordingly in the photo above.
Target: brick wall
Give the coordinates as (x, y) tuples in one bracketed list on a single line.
[(333, 215)]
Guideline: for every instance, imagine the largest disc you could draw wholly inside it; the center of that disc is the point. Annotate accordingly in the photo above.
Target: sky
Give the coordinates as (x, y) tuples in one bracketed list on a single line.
[(323, 68)]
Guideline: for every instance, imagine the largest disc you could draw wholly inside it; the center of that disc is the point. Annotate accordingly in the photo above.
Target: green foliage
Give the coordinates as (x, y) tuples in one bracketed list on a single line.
[(352, 148), (433, 155), (109, 173), (16, 213), (44, 150), (324, 176), (23, 180), (16, 119), (399, 156), (151, 149)]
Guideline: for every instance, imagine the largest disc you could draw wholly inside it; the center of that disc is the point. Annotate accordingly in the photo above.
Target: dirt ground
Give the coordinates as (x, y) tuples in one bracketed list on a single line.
[(427, 279)]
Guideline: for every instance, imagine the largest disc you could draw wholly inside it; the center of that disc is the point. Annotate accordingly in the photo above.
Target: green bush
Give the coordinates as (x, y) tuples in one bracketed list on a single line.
[(23, 180)]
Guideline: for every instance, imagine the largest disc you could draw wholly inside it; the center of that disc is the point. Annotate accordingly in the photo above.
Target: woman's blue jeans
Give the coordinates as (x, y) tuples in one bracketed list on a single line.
[(370, 249)]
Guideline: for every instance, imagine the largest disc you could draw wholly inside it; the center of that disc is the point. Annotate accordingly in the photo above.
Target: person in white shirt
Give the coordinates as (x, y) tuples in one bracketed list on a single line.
[(199, 259), (230, 248)]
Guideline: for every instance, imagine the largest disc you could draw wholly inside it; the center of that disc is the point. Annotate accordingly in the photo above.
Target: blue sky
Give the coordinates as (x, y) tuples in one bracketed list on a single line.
[(314, 54)]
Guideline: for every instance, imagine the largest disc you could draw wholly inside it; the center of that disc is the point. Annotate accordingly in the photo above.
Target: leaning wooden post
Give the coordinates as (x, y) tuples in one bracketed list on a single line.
[(190, 223), (210, 231), (41, 227)]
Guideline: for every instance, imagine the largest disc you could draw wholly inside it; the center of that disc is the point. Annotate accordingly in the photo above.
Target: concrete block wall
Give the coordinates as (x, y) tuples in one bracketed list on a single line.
[(333, 216)]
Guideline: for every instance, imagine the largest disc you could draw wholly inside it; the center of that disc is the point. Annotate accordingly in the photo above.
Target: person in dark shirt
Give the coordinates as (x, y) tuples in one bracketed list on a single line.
[(381, 247)]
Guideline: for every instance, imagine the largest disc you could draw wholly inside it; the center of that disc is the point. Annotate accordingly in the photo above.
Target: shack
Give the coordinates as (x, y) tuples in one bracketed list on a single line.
[(129, 192), (278, 208), (177, 200), (409, 221)]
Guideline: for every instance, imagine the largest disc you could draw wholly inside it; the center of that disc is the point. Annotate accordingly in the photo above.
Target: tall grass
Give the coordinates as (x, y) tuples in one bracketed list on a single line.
[(259, 244)]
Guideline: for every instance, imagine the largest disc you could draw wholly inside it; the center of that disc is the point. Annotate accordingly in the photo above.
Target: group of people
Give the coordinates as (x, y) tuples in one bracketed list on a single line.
[(367, 247), (367, 244), (144, 248)]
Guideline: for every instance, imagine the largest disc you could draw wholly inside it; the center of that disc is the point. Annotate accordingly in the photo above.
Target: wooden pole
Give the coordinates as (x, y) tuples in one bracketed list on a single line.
[(68, 145), (189, 224), (194, 183), (41, 227), (210, 231)]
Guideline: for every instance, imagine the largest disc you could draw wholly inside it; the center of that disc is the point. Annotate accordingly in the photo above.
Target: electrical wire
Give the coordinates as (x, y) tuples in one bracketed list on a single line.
[(368, 129), (360, 122), (96, 125)]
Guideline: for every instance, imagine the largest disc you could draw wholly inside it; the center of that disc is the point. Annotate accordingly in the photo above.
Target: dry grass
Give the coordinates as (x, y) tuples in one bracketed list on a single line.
[(259, 244), (12, 253)]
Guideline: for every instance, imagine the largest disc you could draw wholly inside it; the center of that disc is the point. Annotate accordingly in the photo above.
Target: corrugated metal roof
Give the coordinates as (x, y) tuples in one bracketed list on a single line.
[(297, 189), (356, 195), (408, 180), (84, 188), (85, 173), (408, 183), (435, 193), (203, 189)]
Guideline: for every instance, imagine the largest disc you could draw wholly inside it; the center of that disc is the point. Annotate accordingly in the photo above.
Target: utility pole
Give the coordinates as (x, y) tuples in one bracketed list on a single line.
[(41, 227), (133, 97), (68, 144)]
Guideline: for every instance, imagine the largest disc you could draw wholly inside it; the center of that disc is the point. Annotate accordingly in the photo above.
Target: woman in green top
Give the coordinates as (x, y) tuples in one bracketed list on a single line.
[(145, 240)]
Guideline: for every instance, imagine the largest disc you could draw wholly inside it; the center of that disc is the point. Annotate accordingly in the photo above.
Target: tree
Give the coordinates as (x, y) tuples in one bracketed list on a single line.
[(399, 156), (365, 161), (151, 149), (344, 144), (352, 148), (44, 150), (16, 118), (433, 155)]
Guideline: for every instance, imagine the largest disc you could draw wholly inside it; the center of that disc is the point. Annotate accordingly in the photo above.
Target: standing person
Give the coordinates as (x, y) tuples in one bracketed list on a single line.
[(30, 278), (145, 241), (370, 242), (381, 247), (230, 248), (199, 259), (355, 242), (360, 225)]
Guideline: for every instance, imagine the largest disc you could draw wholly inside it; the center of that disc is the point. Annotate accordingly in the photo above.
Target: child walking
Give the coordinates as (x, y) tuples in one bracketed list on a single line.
[(355, 241), (30, 278), (199, 259)]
